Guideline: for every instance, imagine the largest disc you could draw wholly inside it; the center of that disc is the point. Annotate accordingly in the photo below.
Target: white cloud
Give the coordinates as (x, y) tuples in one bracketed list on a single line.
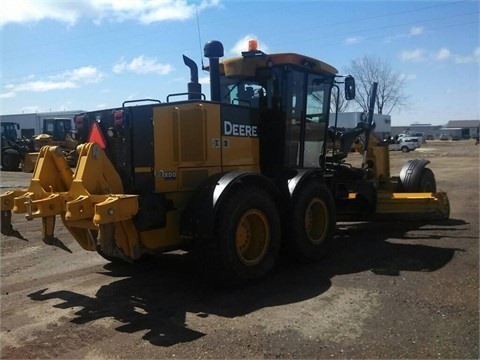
[(66, 80), (413, 31), (41, 86), (467, 59), (353, 40), (204, 80), (476, 53), (7, 95), (84, 74), (416, 30), (26, 11), (443, 54), (463, 59), (143, 11), (142, 65), (413, 55), (408, 77)]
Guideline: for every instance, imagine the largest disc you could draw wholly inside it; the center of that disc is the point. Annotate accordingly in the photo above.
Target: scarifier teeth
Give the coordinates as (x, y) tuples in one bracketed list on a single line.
[(53, 241), (6, 226)]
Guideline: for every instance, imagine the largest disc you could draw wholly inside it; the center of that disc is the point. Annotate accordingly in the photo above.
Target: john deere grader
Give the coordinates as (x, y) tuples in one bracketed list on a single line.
[(254, 172)]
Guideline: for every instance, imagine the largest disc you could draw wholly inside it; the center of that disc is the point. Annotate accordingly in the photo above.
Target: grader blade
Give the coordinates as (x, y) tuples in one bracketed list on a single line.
[(412, 206)]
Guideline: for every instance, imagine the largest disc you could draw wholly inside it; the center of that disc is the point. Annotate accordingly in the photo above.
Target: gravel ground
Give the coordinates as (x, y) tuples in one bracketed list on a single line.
[(387, 290)]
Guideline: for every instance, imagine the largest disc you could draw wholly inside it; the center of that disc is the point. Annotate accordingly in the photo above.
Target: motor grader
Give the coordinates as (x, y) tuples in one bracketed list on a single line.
[(254, 172)]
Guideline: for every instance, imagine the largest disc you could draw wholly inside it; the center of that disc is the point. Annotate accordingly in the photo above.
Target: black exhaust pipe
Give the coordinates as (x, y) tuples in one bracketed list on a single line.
[(213, 50), (194, 88)]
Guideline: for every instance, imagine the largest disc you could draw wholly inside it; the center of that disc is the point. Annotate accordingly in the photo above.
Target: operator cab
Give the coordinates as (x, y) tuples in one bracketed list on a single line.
[(58, 129), (9, 130), (290, 95)]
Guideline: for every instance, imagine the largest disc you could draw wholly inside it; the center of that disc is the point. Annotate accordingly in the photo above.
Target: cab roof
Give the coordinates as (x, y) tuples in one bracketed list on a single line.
[(250, 62)]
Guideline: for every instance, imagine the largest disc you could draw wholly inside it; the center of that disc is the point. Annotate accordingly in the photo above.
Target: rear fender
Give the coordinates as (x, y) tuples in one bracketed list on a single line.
[(198, 218), (301, 177), (411, 173)]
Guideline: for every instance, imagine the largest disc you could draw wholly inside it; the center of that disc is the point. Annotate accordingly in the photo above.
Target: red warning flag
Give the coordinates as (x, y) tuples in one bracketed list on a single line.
[(96, 135)]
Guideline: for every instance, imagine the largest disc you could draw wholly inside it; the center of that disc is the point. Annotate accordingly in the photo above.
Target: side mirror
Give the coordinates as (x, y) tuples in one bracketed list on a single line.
[(349, 88)]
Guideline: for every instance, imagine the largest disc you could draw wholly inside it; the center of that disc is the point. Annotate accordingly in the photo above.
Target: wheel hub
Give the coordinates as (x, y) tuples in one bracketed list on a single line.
[(252, 237)]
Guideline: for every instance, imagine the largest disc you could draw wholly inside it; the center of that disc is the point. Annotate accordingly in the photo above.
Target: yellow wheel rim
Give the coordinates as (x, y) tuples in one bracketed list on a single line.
[(316, 221), (252, 237)]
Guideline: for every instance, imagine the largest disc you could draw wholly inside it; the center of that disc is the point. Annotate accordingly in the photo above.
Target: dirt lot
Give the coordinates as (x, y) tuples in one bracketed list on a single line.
[(387, 290)]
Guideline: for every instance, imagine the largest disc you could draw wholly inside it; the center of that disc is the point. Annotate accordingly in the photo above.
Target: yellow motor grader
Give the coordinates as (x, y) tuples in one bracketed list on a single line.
[(234, 179)]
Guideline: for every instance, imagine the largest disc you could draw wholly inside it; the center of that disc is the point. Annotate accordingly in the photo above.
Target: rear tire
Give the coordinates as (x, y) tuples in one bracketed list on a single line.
[(10, 160), (247, 236), (314, 222), (112, 259), (405, 149)]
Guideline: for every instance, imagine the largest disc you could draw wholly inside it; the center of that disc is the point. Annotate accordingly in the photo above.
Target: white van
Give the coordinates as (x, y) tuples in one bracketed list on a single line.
[(404, 144), (418, 136)]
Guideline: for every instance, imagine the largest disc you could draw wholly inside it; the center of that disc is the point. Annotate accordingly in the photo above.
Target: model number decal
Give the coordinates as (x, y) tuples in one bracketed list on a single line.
[(167, 175)]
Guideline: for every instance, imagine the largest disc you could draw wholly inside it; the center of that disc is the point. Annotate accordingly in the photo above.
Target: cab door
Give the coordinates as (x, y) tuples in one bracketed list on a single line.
[(316, 120), (308, 97)]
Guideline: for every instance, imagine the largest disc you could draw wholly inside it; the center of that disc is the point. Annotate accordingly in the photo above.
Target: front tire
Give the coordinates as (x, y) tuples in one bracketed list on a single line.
[(247, 236), (314, 221), (427, 181)]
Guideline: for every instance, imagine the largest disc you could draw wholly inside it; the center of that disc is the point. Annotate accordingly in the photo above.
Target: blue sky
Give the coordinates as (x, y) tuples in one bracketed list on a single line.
[(86, 55)]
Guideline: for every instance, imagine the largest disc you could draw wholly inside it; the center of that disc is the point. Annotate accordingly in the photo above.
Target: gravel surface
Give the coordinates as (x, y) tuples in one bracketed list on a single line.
[(387, 290)]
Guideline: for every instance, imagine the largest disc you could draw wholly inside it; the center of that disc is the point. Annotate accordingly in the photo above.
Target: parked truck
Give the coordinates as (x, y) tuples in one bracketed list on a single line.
[(253, 172)]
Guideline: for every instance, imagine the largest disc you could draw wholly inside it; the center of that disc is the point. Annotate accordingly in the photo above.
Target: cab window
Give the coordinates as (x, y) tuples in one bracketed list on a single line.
[(243, 92)]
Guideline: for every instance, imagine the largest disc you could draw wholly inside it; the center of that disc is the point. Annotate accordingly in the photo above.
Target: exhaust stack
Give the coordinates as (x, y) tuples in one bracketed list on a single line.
[(213, 50), (194, 88)]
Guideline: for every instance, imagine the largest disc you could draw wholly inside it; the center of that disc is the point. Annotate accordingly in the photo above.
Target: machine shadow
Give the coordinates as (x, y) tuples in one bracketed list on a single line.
[(154, 296)]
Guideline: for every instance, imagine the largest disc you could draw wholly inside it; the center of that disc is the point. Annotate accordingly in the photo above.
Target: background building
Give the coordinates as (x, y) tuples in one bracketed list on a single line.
[(454, 129)]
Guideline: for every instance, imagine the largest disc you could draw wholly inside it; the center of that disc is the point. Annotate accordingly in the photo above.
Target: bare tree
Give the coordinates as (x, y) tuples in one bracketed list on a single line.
[(338, 98), (369, 69)]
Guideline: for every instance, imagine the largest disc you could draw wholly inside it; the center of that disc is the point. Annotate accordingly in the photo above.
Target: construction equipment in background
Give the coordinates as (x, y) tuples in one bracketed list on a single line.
[(59, 132), (236, 179), (23, 152), (16, 151)]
